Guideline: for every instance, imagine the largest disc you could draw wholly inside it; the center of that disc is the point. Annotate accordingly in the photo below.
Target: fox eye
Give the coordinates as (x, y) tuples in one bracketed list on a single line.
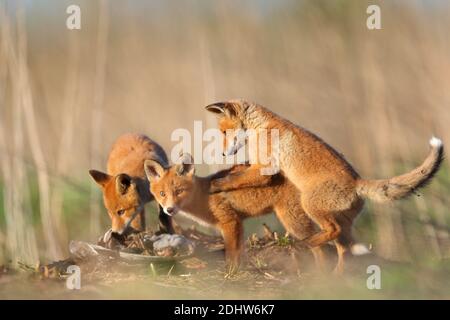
[(162, 193), (120, 212), (179, 191)]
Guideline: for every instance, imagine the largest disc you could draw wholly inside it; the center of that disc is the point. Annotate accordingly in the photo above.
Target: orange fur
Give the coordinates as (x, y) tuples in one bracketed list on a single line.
[(332, 192), (125, 187), (178, 189)]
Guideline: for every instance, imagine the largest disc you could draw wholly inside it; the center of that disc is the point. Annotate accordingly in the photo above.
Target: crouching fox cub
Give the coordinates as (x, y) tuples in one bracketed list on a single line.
[(125, 187), (179, 190)]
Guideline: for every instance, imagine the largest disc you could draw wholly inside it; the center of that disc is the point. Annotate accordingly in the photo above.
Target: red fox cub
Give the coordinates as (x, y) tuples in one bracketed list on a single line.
[(125, 187), (332, 192), (179, 190)]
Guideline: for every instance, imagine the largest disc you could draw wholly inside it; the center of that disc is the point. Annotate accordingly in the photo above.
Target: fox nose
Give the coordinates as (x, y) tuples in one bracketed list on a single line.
[(119, 236), (169, 210)]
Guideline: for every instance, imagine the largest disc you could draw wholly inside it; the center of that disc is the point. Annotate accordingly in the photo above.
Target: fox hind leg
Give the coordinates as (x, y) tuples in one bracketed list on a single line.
[(335, 227), (342, 250), (329, 231), (345, 239), (299, 225)]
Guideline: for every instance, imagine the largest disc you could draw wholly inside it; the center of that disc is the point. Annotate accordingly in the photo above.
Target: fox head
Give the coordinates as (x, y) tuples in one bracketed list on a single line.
[(242, 125), (122, 201), (172, 187), (230, 124)]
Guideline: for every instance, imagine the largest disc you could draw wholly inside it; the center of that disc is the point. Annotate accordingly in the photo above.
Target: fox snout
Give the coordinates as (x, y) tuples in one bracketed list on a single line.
[(118, 227), (170, 211), (233, 141), (234, 148), (123, 231), (124, 226)]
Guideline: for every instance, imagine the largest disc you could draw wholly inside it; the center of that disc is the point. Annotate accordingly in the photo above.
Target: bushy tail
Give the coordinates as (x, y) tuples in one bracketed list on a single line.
[(402, 186)]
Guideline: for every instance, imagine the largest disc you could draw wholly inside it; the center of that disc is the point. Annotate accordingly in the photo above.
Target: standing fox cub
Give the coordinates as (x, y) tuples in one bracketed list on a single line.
[(332, 193), (125, 187), (178, 189)]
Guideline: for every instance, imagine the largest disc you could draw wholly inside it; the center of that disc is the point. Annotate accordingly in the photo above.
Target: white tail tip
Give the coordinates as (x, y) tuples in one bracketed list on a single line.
[(435, 142), (360, 249)]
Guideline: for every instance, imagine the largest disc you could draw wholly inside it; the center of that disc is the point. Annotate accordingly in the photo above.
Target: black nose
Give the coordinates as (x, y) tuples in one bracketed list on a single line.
[(120, 237), (169, 210), (223, 154)]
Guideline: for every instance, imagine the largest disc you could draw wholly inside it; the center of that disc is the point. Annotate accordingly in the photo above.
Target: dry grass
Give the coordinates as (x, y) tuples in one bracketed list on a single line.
[(377, 96)]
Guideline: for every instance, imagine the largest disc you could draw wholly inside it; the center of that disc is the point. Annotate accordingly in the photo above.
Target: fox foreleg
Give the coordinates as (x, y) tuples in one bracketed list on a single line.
[(247, 178)]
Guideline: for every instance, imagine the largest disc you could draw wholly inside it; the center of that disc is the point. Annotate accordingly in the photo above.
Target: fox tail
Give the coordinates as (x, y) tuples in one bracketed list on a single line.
[(404, 185)]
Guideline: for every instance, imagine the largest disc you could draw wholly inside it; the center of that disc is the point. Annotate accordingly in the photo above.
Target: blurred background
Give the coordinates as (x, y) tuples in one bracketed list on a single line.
[(151, 66)]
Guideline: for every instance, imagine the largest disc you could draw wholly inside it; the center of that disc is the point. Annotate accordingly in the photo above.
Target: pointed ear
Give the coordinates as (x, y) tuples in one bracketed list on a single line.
[(227, 109), (186, 165), (101, 178), (154, 170), (123, 183)]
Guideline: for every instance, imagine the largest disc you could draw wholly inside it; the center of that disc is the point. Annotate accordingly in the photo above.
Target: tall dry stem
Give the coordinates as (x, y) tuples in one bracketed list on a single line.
[(49, 223), (21, 240), (97, 109)]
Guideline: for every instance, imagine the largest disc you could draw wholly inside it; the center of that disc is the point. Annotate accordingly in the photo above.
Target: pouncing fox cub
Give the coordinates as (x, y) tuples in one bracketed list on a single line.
[(125, 187), (332, 192), (178, 189)]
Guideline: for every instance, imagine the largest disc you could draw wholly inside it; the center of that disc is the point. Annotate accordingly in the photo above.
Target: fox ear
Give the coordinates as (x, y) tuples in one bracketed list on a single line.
[(100, 177), (186, 165), (227, 109), (153, 169), (123, 183)]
